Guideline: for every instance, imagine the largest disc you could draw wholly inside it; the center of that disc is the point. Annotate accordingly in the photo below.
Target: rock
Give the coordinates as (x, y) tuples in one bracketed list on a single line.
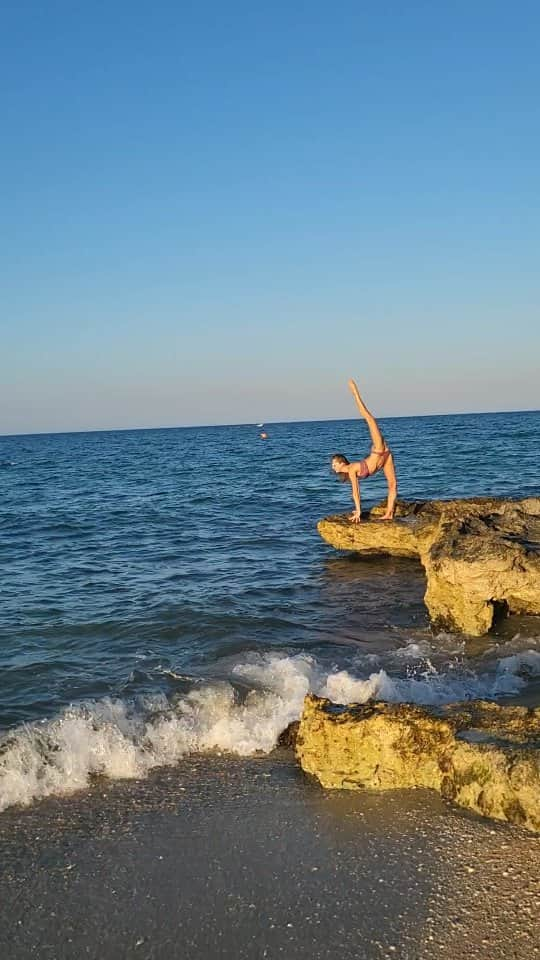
[(287, 737), (480, 755), (481, 556)]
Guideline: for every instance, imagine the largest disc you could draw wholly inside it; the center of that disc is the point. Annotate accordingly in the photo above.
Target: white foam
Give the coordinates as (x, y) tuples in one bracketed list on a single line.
[(525, 664), (120, 740), (432, 688), (116, 739)]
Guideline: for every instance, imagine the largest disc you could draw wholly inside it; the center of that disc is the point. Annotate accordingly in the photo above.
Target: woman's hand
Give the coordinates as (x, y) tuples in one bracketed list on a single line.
[(352, 386), (355, 517)]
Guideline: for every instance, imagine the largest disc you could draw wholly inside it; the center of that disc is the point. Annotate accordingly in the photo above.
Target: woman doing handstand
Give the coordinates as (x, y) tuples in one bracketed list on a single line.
[(380, 458)]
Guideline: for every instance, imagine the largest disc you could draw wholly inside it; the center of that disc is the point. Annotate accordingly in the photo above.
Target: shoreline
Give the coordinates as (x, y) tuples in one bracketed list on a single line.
[(250, 858)]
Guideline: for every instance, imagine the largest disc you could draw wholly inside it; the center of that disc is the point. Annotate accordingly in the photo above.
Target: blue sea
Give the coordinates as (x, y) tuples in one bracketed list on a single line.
[(165, 592)]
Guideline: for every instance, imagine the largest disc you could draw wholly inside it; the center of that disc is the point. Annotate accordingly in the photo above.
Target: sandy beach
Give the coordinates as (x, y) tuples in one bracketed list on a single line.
[(249, 858)]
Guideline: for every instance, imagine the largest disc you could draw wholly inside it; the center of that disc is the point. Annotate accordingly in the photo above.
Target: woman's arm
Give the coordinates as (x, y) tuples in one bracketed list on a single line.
[(355, 517)]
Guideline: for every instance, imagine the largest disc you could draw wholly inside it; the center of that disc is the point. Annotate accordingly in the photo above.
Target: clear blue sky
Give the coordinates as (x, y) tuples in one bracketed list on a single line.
[(217, 212)]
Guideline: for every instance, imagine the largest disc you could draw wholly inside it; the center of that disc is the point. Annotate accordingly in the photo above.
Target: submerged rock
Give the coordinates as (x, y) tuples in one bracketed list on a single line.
[(480, 755), (481, 556)]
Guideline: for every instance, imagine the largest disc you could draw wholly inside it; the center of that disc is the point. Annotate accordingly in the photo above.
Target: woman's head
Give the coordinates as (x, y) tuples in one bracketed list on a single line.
[(339, 464)]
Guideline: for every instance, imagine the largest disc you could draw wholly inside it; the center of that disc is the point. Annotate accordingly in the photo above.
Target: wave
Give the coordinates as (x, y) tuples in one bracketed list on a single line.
[(243, 715)]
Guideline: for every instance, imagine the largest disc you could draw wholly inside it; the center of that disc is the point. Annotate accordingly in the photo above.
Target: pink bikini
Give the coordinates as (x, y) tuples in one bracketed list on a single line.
[(364, 469)]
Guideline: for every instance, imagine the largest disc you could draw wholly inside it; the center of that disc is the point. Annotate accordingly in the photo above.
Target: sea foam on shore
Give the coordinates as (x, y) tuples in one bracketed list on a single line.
[(242, 715)]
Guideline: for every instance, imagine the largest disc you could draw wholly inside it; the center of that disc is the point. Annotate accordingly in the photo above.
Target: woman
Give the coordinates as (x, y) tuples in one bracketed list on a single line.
[(380, 458)]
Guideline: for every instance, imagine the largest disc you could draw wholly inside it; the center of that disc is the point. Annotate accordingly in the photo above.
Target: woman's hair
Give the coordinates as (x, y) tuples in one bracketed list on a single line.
[(342, 460)]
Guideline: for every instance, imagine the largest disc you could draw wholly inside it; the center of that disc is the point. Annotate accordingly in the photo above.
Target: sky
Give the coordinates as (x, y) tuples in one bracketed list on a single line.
[(218, 212)]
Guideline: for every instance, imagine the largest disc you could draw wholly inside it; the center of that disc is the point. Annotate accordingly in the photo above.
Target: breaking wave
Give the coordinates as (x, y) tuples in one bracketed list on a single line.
[(242, 715)]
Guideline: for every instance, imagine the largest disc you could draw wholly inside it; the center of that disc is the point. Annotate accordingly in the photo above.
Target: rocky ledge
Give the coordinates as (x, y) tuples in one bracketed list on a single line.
[(481, 556), (480, 755)]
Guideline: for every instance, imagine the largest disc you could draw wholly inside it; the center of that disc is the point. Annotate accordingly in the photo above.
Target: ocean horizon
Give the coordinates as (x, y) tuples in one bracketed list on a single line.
[(248, 423)]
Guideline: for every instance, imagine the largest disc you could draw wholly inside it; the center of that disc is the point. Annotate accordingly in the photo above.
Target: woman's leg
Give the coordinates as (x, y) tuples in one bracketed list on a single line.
[(391, 479), (377, 438)]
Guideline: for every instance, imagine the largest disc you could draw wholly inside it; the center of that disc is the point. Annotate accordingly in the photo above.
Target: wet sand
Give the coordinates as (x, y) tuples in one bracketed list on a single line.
[(250, 859)]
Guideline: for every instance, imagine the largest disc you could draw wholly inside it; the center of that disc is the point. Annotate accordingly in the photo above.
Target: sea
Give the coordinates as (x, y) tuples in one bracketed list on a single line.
[(165, 592)]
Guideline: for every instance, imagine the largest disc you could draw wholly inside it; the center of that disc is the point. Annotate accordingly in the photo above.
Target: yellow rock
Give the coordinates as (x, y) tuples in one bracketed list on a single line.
[(480, 755), (481, 556)]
